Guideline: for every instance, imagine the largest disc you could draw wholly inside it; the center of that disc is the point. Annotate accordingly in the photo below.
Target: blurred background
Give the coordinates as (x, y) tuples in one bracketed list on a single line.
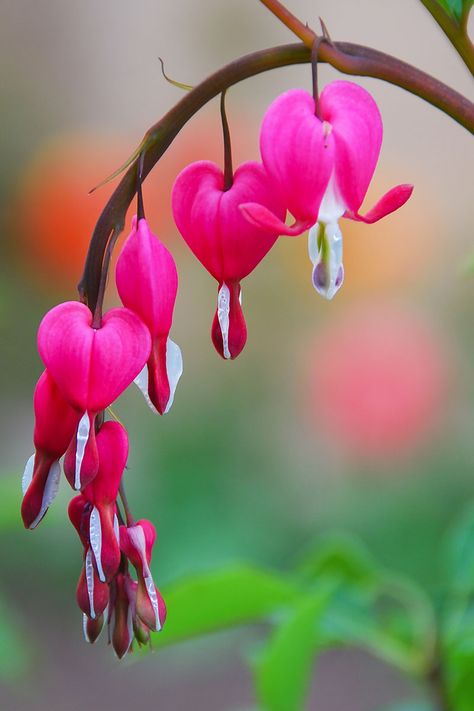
[(355, 415)]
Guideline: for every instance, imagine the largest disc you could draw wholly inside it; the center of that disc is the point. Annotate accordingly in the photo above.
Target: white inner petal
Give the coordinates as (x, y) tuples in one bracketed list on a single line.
[(117, 529), (50, 491), (84, 627), (83, 431), (332, 206), (174, 369), (334, 237), (90, 581), (137, 537), (95, 537), (142, 382), (223, 310), (28, 474)]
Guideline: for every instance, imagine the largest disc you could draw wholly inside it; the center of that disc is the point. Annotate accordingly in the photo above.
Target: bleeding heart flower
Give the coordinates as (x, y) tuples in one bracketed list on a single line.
[(92, 592), (121, 615), (91, 366), (55, 425), (147, 282), (321, 167), (136, 543), (228, 246)]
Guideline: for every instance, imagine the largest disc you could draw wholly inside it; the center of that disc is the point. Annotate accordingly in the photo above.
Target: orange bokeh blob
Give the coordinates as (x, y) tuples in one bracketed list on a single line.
[(378, 380)]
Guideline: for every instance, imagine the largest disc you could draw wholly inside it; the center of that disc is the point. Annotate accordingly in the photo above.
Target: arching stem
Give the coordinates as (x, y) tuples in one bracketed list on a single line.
[(346, 57)]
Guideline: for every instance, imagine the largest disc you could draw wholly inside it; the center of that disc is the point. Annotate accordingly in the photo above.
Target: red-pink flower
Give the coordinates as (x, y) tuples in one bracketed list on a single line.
[(55, 425), (136, 543), (91, 366), (147, 282), (228, 246), (92, 593), (321, 167)]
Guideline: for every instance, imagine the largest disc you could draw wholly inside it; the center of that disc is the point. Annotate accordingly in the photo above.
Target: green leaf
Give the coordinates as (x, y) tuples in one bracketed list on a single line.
[(220, 600), (343, 558), (283, 672), (453, 7), (457, 624), (14, 655)]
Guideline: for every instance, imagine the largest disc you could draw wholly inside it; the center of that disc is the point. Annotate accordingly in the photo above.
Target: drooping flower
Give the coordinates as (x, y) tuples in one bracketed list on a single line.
[(136, 543), (92, 593), (147, 282), (101, 494), (55, 425), (321, 167), (91, 366), (228, 246)]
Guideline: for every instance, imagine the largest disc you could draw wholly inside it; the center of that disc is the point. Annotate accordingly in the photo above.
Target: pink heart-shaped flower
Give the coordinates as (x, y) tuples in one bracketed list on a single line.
[(90, 366)]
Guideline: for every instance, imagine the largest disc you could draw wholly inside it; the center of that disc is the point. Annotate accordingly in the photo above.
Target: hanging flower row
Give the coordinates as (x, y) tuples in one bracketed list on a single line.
[(318, 158)]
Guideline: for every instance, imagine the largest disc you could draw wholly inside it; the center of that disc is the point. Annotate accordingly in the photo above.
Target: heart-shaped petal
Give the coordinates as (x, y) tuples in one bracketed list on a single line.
[(90, 366)]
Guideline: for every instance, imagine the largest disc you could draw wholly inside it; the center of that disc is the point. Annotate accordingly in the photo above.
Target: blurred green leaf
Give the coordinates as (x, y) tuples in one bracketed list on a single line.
[(283, 671), (457, 628), (220, 600), (342, 558), (14, 655), (385, 613)]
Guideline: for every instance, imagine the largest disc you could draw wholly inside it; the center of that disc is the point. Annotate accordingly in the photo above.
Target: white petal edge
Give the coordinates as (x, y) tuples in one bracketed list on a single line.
[(95, 537), (50, 491), (223, 310), (28, 474), (90, 582), (174, 369), (83, 431), (137, 537), (141, 381)]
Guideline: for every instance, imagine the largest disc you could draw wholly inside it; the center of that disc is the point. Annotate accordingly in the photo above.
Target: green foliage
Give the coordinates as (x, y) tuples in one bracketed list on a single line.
[(337, 596), (220, 600), (457, 628), (283, 671)]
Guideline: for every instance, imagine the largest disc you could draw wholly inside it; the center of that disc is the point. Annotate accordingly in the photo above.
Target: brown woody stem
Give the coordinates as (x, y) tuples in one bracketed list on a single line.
[(346, 57)]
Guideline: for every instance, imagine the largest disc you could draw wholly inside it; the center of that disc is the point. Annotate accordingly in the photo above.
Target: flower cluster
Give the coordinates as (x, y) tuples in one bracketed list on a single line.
[(316, 166), (87, 367), (317, 163)]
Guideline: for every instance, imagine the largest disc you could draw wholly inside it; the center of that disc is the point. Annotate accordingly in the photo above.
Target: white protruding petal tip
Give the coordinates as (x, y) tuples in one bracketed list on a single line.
[(83, 431), (174, 369), (28, 474), (95, 537), (141, 381), (223, 311), (50, 491)]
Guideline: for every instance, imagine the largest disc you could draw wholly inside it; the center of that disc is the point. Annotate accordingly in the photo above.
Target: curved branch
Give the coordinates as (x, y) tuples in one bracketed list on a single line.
[(456, 33), (348, 58)]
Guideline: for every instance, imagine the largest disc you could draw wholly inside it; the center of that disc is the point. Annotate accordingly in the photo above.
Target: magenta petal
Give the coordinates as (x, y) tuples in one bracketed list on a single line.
[(92, 367), (147, 280), (112, 449), (357, 132), (298, 153), (260, 216), (391, 201), (210, 220)]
